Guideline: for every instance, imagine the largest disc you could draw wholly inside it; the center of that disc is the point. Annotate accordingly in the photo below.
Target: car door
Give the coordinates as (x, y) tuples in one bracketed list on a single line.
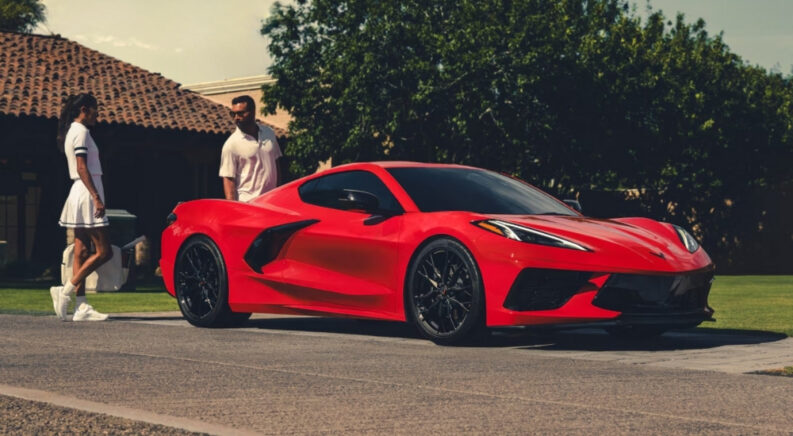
[(346, 261)]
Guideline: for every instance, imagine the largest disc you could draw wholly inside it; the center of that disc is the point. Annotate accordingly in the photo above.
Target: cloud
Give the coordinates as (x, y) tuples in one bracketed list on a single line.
[(103, 39), (121, 42)]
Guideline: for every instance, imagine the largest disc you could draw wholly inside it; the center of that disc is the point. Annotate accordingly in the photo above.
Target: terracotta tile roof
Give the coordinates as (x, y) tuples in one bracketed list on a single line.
[(37, 72)]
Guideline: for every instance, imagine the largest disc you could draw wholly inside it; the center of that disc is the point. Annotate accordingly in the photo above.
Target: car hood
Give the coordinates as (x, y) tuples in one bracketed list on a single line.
[(648, 242)]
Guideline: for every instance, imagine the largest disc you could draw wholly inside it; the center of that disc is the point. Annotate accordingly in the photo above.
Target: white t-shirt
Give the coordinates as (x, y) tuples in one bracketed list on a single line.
[(251, 162), (80, 143)]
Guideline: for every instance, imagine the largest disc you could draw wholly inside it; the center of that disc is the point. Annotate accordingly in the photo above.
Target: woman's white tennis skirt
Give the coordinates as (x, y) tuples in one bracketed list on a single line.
[(78, 212)]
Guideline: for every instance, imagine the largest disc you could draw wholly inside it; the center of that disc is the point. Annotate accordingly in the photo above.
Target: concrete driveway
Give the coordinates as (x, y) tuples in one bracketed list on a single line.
[(698, 349), (314, 376)]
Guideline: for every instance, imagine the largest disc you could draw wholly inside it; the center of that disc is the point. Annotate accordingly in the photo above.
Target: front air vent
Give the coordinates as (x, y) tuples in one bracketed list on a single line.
[(544, 289), (632, 293)]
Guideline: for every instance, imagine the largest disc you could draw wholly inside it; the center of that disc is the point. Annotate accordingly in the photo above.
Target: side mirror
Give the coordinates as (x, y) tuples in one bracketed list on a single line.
[(574, 204), (352, 199)]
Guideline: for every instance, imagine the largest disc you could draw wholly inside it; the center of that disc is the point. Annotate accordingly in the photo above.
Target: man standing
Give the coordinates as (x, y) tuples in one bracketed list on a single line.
[(251, 159)]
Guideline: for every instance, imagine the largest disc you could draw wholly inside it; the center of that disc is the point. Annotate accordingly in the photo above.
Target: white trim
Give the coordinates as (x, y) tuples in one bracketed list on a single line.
[(105, 223), (230, 85)]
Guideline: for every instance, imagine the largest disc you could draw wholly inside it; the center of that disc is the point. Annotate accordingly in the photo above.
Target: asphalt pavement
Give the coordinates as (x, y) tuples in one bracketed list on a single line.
[(24, 417), (281, 375)]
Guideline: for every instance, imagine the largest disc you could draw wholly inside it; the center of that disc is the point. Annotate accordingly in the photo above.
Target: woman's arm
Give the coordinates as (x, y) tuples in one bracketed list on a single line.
[(85, 176)]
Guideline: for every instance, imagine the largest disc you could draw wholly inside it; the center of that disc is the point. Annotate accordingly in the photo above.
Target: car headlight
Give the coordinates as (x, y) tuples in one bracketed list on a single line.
[(526, 234), (687, 239)]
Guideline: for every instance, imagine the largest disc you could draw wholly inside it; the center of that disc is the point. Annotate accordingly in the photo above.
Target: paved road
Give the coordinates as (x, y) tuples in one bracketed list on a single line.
[(724, 351), (23, 417), (315, 376)]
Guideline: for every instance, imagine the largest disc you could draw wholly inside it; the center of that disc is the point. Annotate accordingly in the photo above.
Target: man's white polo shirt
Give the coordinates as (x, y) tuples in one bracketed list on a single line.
[(251, 162)]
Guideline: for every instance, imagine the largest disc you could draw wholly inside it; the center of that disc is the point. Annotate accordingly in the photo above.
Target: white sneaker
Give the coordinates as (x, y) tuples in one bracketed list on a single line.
[(60, 302), (55, 293), (87, 313)]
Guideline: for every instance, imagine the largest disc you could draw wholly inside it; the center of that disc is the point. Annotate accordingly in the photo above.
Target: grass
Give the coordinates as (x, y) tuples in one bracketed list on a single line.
[(762, 303), (784, 372), (759, 303), (35, 299)]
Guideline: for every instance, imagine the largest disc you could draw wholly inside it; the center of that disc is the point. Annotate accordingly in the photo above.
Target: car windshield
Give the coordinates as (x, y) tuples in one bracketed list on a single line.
[(474, 190)]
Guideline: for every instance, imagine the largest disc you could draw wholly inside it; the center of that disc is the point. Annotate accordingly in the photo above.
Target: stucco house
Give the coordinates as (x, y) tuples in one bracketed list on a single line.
[(159, 143)]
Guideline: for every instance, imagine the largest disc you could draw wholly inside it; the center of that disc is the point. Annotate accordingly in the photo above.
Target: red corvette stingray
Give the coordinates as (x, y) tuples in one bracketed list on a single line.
[(449, 248)]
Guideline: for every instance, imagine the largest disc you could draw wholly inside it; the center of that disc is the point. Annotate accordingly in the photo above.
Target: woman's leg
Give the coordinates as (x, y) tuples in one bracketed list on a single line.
[(82, 242), (61, 295), (99, 236), (82, 310)]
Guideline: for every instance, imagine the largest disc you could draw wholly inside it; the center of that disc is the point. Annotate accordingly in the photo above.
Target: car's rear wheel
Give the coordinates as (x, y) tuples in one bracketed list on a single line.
[(202, 285), (445, 295)]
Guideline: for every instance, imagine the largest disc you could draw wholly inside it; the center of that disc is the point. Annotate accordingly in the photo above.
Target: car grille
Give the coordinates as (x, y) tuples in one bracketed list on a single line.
[(544, 289), (632, 293)]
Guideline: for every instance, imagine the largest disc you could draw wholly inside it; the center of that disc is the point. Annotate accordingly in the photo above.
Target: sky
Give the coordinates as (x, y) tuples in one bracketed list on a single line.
[(760, 31), (194, 41), (189, 41)]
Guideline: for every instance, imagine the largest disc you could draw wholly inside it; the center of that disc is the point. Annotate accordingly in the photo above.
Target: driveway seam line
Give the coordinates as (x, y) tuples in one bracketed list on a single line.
[(119, 411)]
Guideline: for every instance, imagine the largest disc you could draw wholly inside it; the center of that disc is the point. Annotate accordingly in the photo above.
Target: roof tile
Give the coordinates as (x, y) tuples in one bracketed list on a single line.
[(40, 71)]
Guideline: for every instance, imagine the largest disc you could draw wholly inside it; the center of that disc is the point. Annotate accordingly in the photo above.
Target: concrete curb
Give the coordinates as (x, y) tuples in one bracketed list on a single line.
[(121, 411)]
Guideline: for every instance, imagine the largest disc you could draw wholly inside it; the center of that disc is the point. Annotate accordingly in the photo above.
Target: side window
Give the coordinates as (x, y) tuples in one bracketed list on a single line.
[(326, 191)]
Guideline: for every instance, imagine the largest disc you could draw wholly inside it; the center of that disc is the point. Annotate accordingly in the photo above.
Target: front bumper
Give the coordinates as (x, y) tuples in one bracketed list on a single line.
[(547, 296), (638, 295)]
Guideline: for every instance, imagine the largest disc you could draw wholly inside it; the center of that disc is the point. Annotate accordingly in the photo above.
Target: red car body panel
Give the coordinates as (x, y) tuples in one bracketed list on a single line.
[(341, 266)]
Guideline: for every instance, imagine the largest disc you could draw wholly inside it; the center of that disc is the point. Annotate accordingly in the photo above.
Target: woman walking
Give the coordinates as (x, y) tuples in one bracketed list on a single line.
[(84, 210)]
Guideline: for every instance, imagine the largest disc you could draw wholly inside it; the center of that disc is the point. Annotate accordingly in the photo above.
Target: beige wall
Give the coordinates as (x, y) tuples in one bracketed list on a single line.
[(280, 119)]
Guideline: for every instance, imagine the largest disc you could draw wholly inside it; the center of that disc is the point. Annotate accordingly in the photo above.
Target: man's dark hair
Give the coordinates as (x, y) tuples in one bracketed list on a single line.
[(247, 100)]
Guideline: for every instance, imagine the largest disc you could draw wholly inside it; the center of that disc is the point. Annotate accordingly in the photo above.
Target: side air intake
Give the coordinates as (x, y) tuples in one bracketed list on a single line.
[(268, 244)]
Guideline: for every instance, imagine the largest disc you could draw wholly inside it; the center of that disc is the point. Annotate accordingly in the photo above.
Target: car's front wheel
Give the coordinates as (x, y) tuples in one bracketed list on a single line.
[(202, 285), (444, 293)]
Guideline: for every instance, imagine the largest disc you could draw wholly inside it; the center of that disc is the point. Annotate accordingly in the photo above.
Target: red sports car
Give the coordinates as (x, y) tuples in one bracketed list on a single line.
[(449, 248)]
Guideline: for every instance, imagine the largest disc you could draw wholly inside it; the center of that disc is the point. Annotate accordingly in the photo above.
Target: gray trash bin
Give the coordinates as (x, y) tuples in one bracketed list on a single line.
[(122, 226), (3, 249)]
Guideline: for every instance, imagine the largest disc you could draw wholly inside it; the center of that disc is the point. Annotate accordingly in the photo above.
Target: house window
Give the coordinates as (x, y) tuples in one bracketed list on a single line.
[(9, 229), (32, 201)]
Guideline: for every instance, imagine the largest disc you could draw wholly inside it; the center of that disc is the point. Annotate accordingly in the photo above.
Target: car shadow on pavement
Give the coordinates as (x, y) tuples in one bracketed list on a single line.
[(598, 340), (128, 317), (589, 339), (337, 325)]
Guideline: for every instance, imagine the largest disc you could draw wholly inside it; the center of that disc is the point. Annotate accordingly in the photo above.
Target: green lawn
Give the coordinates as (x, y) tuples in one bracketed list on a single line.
[(752, 303), (31, 299), (760, 303)]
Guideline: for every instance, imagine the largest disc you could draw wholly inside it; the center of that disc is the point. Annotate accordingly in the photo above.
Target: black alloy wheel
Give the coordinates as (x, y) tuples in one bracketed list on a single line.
[(445, 297), (202, 285)]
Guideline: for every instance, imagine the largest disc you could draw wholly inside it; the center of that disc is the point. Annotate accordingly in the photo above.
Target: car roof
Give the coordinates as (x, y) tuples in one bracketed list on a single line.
[(398, 164)]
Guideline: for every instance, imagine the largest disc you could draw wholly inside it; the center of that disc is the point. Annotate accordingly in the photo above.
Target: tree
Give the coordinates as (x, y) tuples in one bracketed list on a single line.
[(21, 15), (571, 95)]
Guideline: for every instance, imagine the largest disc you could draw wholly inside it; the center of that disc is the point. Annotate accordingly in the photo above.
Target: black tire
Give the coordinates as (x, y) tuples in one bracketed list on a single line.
[(635, 332), (202, 285), (444, 295)]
